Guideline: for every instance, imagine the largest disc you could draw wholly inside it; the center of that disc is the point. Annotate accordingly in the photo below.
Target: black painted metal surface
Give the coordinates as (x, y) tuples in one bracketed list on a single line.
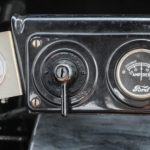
[(101, 35), (92, 132)]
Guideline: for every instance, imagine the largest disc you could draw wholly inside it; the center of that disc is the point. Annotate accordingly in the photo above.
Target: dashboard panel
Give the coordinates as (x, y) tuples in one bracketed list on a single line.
[(84, 64)]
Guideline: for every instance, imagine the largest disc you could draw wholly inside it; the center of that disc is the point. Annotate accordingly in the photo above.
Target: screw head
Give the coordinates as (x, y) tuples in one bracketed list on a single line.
[(35, 102), (36, 43)]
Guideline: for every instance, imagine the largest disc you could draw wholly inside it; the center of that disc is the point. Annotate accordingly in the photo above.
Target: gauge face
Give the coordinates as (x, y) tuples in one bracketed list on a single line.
[(2, 69), (133, 74)]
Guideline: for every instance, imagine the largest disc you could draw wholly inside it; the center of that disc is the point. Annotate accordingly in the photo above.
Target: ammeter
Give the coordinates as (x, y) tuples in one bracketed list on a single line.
[(133, 74)]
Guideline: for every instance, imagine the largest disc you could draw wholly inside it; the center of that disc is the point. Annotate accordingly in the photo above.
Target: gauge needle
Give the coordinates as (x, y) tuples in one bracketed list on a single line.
[(141, 76)]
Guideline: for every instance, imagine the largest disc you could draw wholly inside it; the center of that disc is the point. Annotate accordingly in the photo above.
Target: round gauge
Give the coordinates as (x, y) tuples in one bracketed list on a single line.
[(2, 69), (133, 74)]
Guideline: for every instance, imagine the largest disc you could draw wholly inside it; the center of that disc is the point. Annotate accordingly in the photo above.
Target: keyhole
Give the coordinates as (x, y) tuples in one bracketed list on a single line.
[(62, 72)]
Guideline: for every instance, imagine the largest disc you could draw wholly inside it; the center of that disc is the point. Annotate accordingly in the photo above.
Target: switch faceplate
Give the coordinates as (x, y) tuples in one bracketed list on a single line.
[(10, 84)]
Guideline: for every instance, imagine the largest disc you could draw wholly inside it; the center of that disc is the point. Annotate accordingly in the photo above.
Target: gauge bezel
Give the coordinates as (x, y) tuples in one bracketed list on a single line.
[(118, 78), (115, 58)]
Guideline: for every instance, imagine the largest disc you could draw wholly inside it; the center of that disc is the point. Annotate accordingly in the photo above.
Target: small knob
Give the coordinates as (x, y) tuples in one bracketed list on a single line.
[(63, 74)]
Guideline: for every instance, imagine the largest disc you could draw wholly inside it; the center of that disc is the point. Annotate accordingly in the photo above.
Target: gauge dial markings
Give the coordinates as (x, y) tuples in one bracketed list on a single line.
[(133, 73)]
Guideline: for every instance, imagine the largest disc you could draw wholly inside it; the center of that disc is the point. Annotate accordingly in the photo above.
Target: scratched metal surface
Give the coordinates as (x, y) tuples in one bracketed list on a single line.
[(92, 132)]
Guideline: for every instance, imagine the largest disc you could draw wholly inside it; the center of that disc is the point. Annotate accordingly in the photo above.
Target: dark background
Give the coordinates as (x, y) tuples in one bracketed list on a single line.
[(75, 6), (110, 7), (88, 7)]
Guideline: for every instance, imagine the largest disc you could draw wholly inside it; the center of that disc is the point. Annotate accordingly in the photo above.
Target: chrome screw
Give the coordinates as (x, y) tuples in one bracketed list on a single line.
[(35, 102), (36, 43)]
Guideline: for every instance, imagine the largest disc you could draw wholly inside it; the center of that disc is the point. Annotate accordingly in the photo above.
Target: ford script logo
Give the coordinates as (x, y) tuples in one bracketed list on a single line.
[(141, 89)]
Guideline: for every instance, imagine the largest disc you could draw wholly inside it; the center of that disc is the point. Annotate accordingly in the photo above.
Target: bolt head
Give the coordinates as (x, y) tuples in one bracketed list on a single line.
[(36, 43), (35, 102)]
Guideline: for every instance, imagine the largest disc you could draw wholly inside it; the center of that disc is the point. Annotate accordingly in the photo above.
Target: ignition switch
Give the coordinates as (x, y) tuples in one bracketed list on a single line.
[(64, 73)]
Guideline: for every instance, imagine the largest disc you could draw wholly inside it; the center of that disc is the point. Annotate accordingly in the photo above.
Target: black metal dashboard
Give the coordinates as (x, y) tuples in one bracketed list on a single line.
[(93, 45), (115, 114), (93, 69)]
